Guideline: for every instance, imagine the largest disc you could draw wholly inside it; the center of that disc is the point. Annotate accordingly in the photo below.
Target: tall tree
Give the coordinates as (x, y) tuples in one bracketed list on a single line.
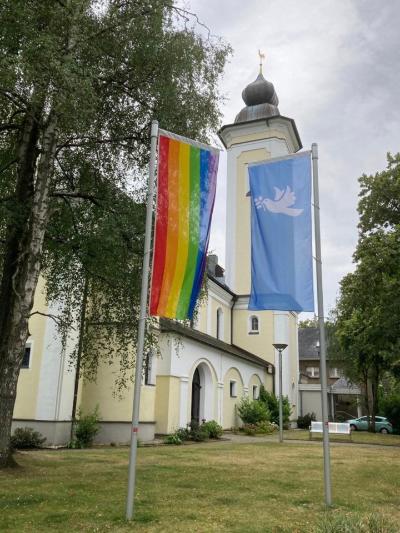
[(80, 81), (367, 314)]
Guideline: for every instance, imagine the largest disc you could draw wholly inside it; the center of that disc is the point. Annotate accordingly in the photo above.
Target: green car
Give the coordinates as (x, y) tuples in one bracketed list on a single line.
[(361, 424)]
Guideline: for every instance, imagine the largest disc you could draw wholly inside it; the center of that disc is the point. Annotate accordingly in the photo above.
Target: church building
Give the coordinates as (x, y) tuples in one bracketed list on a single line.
[(200, 372)]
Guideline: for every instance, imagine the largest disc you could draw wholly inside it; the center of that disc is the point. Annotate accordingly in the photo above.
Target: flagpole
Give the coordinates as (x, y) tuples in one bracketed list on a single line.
[(142, 326), (321, 323)]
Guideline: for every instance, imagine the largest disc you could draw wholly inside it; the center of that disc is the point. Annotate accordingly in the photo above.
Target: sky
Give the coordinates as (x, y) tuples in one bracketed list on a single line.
[(335, 67)]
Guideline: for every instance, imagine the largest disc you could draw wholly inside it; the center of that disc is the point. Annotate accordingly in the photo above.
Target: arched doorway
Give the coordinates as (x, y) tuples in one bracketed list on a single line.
[(202, 407), (196, 388)]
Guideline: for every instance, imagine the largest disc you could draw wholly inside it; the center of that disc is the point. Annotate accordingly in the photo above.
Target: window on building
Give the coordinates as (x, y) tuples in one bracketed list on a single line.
[(334, 373), (233, 389), (148, 368), (26, 360), (312, 371), (220, 323), (253, 325), (256, 392)]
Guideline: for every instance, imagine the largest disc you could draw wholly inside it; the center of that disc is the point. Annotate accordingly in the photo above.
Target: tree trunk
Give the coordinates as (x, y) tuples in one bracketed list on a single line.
[(22, 261)]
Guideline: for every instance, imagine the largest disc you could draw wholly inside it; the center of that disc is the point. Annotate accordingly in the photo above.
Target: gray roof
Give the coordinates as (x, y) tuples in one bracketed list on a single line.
[(167, 325), (308, 343), (261, 101)]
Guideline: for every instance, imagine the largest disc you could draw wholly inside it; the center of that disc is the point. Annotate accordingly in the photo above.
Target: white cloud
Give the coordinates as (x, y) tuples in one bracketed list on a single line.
[(335, 67)]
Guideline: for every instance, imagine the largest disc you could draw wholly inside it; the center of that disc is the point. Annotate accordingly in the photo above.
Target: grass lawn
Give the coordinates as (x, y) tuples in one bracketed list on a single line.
[(357, 437), (220, 487)]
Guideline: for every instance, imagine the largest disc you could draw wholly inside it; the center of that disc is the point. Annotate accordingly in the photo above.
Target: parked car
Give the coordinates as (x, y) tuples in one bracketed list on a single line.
[(382, 424)]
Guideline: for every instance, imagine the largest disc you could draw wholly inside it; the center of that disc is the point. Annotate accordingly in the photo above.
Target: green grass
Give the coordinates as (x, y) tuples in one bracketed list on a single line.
[(219, 487), (357, 437)]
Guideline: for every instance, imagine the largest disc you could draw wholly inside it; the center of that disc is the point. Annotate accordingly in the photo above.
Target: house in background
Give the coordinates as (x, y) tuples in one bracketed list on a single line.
[(344, 398)]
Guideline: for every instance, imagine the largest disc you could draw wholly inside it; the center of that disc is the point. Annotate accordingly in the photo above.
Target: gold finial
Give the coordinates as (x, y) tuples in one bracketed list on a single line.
[(262, 57)]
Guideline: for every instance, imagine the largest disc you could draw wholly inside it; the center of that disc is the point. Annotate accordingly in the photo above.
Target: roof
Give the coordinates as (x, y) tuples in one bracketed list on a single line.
[(309, 343), (344, 386), (167, 325)]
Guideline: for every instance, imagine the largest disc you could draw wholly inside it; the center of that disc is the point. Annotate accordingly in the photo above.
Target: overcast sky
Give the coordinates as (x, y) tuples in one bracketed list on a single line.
[(335, 67)]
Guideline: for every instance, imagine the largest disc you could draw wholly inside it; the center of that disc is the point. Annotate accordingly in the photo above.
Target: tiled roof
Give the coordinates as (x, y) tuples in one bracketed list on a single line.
[(309, 343)]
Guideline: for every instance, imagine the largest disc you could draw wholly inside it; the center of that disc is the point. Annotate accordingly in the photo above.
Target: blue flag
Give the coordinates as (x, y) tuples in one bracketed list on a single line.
[(281, 236)]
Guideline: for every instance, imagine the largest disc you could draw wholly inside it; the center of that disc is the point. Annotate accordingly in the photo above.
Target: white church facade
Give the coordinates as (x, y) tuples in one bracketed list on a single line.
[(200, 372)]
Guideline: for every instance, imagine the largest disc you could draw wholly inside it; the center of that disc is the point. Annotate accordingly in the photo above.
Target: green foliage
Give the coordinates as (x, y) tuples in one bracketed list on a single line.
[(85, 429), (272, 403), (390, 407), (104, 76), (172, 439), (253, 411), (26, 438), (366, 338), (261, 428), (309, 323), (195, 432), (304, 422), (213, 429)]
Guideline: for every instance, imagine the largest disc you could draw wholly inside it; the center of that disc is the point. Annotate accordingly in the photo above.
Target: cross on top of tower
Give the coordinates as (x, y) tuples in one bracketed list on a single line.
[(261, 55)]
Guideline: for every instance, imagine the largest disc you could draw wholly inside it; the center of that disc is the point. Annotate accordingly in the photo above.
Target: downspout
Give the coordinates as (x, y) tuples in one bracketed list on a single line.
[(234, 300)]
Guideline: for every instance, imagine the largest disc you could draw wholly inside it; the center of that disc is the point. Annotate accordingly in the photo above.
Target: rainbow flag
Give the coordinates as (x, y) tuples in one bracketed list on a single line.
[(187, 177)]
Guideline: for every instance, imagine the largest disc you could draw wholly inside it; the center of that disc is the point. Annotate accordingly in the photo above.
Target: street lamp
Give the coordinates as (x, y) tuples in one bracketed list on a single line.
[(280, 348)]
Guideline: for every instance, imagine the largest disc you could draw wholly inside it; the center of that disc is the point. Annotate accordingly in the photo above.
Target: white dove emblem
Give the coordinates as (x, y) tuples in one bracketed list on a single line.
[(281, 204)]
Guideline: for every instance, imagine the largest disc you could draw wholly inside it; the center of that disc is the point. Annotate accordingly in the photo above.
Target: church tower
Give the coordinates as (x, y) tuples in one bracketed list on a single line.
[(258, 133)]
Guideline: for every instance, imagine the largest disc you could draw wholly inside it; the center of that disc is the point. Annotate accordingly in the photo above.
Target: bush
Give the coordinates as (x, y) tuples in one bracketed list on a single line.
[(27, 438), (85, 429), (390, 407), (266, 428), (253, 411), (213, 428), (183, 433), (304, 422), (172, 439), (272, 403), (250, 429), (261, 428)]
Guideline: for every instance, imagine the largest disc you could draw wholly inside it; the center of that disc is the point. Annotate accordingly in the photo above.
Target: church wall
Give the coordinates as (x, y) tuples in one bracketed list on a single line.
[(230, 417), (167, 404), (259, 344), (28, 381)]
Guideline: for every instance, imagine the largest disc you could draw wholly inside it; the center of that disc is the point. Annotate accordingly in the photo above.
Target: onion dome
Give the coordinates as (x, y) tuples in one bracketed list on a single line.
[(260, 99)]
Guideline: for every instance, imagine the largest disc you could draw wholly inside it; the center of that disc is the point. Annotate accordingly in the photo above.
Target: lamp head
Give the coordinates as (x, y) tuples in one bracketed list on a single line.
[(280, 347)]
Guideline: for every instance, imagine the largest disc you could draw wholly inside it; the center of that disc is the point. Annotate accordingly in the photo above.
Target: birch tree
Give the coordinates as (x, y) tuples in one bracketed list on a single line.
[(80, 82)]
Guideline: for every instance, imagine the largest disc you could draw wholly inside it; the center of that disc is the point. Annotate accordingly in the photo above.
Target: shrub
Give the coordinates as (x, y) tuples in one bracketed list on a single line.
[(27, 438), (261, 428), (250, 429), (304, 422), (213, 428), (85, 429), (172, 439), (266, 428), (272, 403), (390, 406), (183, 433), (199, 434), (253, 411)]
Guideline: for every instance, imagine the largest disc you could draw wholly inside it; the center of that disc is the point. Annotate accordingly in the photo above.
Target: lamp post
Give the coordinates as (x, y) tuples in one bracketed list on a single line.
[(280, 348)]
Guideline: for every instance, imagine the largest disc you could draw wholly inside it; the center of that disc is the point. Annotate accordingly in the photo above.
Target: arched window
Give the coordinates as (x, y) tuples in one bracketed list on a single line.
[(253, 325), (220, 323)]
